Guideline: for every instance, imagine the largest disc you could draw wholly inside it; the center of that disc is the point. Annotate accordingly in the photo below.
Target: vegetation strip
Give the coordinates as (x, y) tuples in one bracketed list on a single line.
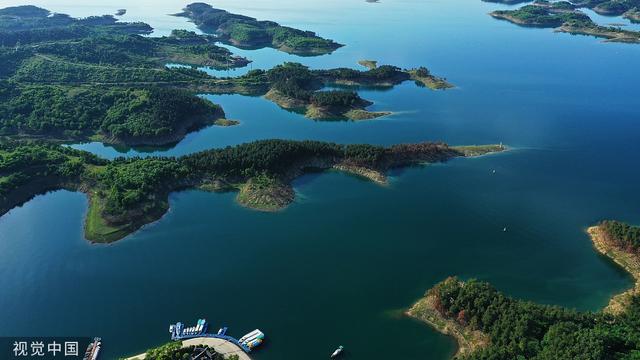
[(125, 194)]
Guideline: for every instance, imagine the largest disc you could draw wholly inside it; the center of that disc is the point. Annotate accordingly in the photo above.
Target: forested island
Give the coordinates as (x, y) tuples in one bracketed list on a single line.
[(489, 325), (295, 87), (125, 194), (249, 33), (97, 79), (565, 17)]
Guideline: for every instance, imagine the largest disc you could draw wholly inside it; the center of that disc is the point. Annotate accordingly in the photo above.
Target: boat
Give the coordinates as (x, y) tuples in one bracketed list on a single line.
[(251, 338), (253, 333), (337, 352), (254, 343), (93, 350)]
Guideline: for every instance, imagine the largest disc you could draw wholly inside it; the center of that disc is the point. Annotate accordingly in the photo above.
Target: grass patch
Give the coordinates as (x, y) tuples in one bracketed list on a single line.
[(96, 228)]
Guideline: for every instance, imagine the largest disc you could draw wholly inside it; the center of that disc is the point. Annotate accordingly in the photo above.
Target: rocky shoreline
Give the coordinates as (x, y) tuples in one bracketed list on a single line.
[(629, 262)]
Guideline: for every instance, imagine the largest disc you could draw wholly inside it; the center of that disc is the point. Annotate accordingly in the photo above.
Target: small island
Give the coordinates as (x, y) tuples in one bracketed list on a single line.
[(121, 12), (225, 122), (565, 17), (125, 194), (369, 64), (248, 33), (489, 325)]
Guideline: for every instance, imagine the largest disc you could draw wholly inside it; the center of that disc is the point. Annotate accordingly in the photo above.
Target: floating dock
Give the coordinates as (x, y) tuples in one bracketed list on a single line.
[(247, 343)]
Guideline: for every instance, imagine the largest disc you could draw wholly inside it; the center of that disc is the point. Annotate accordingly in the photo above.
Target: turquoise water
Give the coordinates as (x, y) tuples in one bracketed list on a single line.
[(338, 265)]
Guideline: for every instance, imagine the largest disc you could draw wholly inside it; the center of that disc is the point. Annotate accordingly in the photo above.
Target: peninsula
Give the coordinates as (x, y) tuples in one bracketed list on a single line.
[(213, 348), (96, 79), (248, 33), (565, 17), (125, 194), (621, 243), (490, 325)]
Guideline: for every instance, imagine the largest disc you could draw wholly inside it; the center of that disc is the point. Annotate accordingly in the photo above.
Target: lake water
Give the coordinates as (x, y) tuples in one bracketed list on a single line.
[(339, 265), (616, 21)]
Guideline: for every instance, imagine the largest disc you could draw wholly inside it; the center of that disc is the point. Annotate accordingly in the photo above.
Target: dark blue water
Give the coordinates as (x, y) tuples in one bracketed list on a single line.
[(338, 265)]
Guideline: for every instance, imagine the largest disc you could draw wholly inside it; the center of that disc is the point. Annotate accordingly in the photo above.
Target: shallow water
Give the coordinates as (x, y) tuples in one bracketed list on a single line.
[(338, 265)]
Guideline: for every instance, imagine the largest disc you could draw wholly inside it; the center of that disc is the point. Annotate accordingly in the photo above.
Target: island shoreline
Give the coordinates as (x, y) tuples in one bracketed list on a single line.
[(469, 340)]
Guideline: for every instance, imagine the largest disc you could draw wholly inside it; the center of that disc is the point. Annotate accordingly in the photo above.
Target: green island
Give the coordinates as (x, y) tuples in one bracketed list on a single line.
[(369, 64), (248, 33), (489, 325), (95, 79), (293, 86), (565, 17), (125, 194), (226, 122), (29, 24)]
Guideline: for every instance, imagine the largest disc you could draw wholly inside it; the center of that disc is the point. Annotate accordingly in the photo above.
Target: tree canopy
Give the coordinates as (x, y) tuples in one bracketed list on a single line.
[(524, 330)]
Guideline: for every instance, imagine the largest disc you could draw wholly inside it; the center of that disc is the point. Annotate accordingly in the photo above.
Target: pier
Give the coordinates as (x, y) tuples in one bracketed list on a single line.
[(230, 339), (249, 341), (220, 341)]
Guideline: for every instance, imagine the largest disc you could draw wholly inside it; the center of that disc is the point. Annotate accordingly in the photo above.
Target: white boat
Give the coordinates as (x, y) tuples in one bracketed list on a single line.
[(253, 333), (259, 335), (337, 352)]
